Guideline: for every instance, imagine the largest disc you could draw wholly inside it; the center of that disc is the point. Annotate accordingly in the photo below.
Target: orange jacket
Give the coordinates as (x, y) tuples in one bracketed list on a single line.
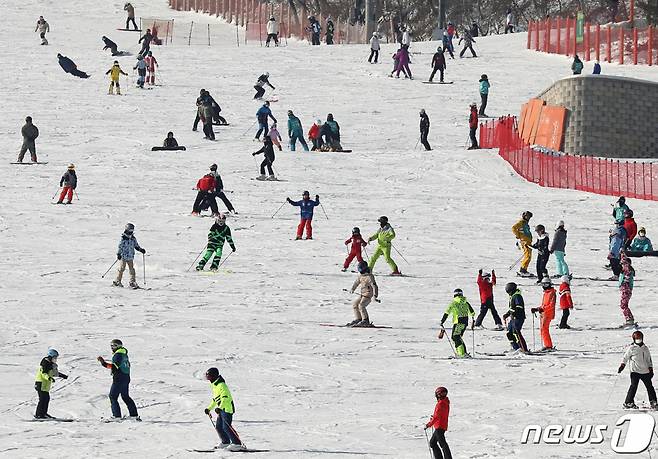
[(566, 302), (439, 419), (548, 304)]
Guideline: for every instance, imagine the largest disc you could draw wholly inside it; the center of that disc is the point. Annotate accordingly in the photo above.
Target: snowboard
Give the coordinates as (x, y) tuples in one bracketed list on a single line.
[(438, 82), (268, 180), (130, 30), (345, 326), (221, 124), (50, 420), (180, 148), (248, 450), (336, 151), (30, 163)]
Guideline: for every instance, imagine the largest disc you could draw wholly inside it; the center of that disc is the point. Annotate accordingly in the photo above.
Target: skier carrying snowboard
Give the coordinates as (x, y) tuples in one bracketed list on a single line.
[(120, 368), (384, 236), (126, 254), (547, 313), (355, 251), (439, 421), (222, 403), (306, 213), (219, 232), (486, 283), (521, 230), (516, 314), (460, 309), (368, 291), (45, 377), (68, 182), (641, 368)]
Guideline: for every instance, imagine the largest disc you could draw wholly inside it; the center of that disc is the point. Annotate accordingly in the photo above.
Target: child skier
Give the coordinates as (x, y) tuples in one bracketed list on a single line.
[(306, 212), (219, 232), (268, 151), (641, 243), (468, 40), (542, 252), (46, 375), (626, 281), (473, 126), (368, 291), (558, 245), (115, 72), (120, 368), (384, 235), (275, 136), (140, 66), (521, 230), (68, 182), (355, 251), (126, 254), (151, 63), (460, 309), (438, 64), (516, 313), (566, 302), (315, 135), (439, 421), (486, 282), (222, 403), (641, 370), (484, 94), (547, 313)]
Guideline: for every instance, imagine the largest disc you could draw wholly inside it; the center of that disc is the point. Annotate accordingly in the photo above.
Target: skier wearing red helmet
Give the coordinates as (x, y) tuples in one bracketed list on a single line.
[(439, 421)]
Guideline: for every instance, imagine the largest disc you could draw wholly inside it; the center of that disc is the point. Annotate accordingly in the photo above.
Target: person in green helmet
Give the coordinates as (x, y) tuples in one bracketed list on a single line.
[(460, 309), (222, 403), (45, 377), (219, 232), (384, 236)]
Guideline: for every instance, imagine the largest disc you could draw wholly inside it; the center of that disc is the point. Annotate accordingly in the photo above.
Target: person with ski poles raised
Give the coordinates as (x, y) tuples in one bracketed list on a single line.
[(486, 283), (306, 213), (460, 309)]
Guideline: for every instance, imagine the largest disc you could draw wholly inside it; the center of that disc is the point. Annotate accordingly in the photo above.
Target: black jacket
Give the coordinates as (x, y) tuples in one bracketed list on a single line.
[(170, 143), (424, 123), (268, 150), (67, 64), (109, 44), (69, 179)]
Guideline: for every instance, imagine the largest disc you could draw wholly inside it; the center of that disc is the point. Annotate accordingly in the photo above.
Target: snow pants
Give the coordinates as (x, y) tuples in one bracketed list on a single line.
[(615, 264), (317, 143), (293, 141), (266, 163), (439, 446), (565, 318), (120, 386), (355, 252), (277, 143), (437, 69), (217, 251), (474, 140), (44, 40), (626, 293), (457, 336), (262, 128), (386, 251), (484, 307), (527, 255), (259, 92), (272, 36), (79, 73), (464, 50), (141, 78), (514, 334), (44, 400), (423, 139), (305, 223), (225, 429), (542, 261), (225, 200), (150, 77), (128, 21), (28, 145), (403, 68), (544, 327), (359, 305), (200, 196), (67, 192), (374, 54), (561, 267), (483, 102), (635, 380), (122, 268)]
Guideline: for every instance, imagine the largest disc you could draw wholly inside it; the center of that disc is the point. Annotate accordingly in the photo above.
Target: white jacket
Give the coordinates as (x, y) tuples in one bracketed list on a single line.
[(508, 19), (374, 43), (406, 38), (272, 27), (42, 26), (639, 358)]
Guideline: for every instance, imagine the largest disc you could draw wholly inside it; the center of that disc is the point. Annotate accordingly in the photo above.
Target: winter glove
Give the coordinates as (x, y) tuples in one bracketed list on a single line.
[(63, 376), (317, 197), (534, 310), (233, 248), (651, 372), (480, 272), (621, 368), (493, 272), (207, 411), (218, 411), (118, 256), (101, 360), (254, 154), (142, 250), (289, 200)]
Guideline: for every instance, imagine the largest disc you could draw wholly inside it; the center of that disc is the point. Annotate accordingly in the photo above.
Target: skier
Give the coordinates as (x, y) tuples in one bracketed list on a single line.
[(403, 62), (597, 68), (641, 243), (146, 45), (406, 37), (329, 35), (619, 209), (626, 283), (206, 113), (355, 251), (396, 64), (219, 232), (222, 403), (521, 230), (439, 421), (547, 313), (566, 301), (68, 182), (44, 379), (368, 291), (306, 213), (262, 115), (109, 44), (315, 28), (473, 126), (447, 44), (30, 133), (486, 283), (140, 66), (468, 43), (374, 48), (206, 188), (558, 245), (275, 136), (219, 191), (272, 28), (151, 63), (543, 253), (315, 135), (69, 67), (424, 129), (484, 94), (42, 27), (131, 15), (215, 109), (268, 152), (617, 239), (460, 309), (509, 22), (263, 80), (631, 228), (115, 72), (452, 32), (577, 65), (217, 118), (120, 368), (438, 64), (641, 368), (516, 313), (295, 132), (331, 132), (126, 254), (384, 236)]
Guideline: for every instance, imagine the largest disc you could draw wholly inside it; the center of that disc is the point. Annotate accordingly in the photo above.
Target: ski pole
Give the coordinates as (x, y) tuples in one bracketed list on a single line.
[(473, 336), (108, 269), (76, 195), (144, 266), (250, 128), (607, 400), (451, 346), (416, 146), (533, 332), (325, 212), (428, 443), (366, 252), (511, 267), (377, 300), (214, 427), (400, 253), (55, 194), (219, 265), (197, 257), (280, 207)]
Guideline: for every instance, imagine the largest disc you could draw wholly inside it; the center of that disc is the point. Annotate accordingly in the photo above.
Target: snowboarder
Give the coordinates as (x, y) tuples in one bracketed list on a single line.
[(566, 301), (275, 136), (577, 65), (473, 126), (438, 64), (146, 42), (262, 115), (384, 236), (151, 64), (219, 232), (169, 144), (641, 368), (126, 254), (109, 44), (619, 209), (315, 135), (631, 228), (486, 283), (115, 72), (516, 314), (219, 189), (272, 28), (42, 27), (447, 44), (140, 66), (355, 251), (43, 381), (403, 62), (543, 253), (295, 132), (329, 35), (30, 133), (460, 309), (68, 183), (69, 67), (424, 129), (547, 313), (617, 240), (521, 230), (484, 94), (120, 368), (374, 48), (315, 28), (306, 214), (263, 80), (131, 15), (468, 43), (439, 421), (223, 405), (206, 188), (368, 291), (331, 132), (641, 243), (557, 248), (268, 151), (509, 22), (597, 68), (626, 283)]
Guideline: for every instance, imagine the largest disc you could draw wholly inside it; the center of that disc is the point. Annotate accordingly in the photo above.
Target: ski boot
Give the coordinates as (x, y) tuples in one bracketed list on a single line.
[(234, 447), (309, 238), (353, 323), (271, 177), (117, 283), (199, 267), (524, 273), (133, 285), (499, 327), (365, 323), (630, 406), (396, 273), (343, 269), (222, 446), (261, 177), (298, 238), (135, 418)]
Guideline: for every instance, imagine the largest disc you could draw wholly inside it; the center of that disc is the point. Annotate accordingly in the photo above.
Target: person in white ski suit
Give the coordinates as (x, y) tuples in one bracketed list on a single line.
[(272, 32), (42, 28), (368, 290)]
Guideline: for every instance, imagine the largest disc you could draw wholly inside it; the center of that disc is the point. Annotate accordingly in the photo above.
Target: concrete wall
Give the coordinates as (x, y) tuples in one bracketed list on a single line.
[(607, 116)]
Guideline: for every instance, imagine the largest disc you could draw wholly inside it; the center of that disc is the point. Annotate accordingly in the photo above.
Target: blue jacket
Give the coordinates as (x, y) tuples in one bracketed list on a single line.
[(641, 244), (295, 127), (127, 247), (306, 207), (484, 87), (597, 69), (617, 239), (263, 113)]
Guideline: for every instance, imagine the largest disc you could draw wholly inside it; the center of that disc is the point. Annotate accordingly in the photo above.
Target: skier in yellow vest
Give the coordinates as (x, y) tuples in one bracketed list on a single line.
[(46, 375), (222, 403), (521, 230), (384, 236), (460, 309)]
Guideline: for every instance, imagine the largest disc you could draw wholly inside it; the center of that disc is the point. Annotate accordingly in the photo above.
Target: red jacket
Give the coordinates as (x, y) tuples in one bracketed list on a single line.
[(473, 119), (631, 228), (486, 288), (566, 302), (548, 304), (314, 132), (439, 419), (206, 183), (357, 241)]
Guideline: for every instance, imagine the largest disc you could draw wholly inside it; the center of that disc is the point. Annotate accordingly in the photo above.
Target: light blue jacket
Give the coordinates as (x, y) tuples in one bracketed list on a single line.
[(484, 87), (617, 239), (127, 247)]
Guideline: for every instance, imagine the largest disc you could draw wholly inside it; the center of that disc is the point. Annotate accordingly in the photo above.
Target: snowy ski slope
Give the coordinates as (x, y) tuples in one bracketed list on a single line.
[(301, 390)]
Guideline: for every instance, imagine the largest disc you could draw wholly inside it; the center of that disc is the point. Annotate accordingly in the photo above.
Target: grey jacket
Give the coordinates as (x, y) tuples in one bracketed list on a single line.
[(559, 240), (29, 132)]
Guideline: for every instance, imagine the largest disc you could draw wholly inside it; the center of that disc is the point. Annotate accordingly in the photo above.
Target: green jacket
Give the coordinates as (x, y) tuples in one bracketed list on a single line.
[(383, 235), (218, 234), (221, 396), (459, 307)]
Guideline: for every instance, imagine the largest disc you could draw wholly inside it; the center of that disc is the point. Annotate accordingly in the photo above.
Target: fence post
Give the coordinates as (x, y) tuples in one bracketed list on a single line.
[(568, 38), (575, 36), (537, 36), (587, 42), (529, 34), (621, 45), (608, 38), (598, 42), (650, 47), (634, 45), (558, 35)]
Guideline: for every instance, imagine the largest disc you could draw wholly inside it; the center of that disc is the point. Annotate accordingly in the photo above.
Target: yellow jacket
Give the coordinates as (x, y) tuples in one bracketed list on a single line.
[(521, 231), (114, 72)]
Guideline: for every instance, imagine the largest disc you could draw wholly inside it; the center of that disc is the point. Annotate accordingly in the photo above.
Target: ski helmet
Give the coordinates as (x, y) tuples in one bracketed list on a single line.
[(642, 230), (484, 77), (362, 267), (486, 275), (213, 167), (527, 215), (628, 213), (383, 220), (267, 103), (306, 193), (458, 292), (422, 111), (540, 228), (566, 279), (116, 344), (560, 224), (441, 391), (129, 228), (52, 353), (116, 62), (212, 374), (510, 288), (356, 230), (71, 167), (546, 282), (621, 200)]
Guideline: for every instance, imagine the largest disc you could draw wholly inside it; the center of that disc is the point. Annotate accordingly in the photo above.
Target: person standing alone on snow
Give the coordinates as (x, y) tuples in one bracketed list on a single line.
[(438, 64), (641, 368), (219, 232), (516, 314), (30, 133), (120, 368), (486, 283), (626, 283), (460, 309), (509, 22), (547, 313), (577, 65), (126, 254), (384, 236), (272, 32), (306, 213), (222, 403), (558, 246), (42, 28), (115, 72), (131, 15), (374, 48), (439, 421), (473, 127), (542, 252), (484, 94), (140, 66), (68, 182), (468, 43), (151, 63), (268, 151), (355, 251), (566, 301), (424, 129), (44, 379), (521, 230), (368, 291)]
